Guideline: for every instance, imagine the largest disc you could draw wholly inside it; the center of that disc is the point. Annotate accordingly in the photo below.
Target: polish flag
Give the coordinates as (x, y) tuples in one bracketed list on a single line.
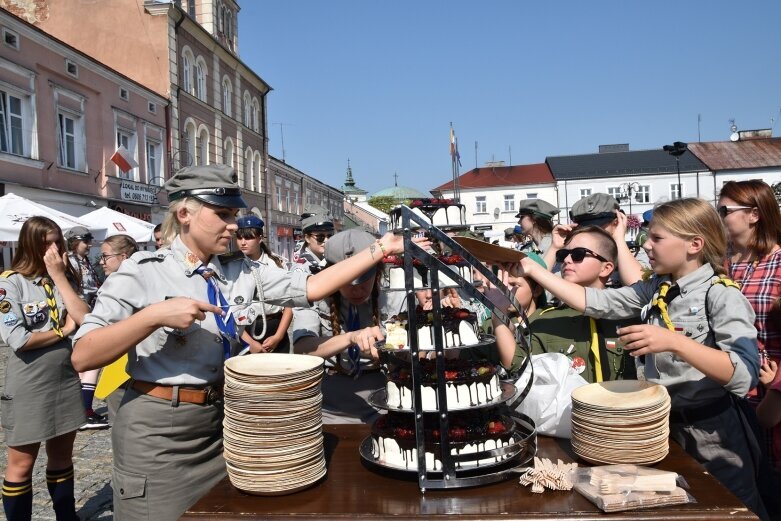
[(123, 159)]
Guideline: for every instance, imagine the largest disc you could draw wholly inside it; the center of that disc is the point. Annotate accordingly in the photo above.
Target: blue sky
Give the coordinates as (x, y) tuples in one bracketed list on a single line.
[(380, 82)]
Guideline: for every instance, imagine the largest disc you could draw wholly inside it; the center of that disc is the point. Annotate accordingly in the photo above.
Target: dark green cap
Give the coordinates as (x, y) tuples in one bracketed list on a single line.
[(212, 184), (537, 208), (596, 209)]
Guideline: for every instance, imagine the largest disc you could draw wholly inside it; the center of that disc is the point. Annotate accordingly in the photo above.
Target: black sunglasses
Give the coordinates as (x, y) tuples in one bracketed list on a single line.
[(726, 210), (321, 237), (577, 254)]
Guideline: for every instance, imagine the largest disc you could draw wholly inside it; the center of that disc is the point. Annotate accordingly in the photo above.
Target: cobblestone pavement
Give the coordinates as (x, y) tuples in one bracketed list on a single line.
[(92, 463)]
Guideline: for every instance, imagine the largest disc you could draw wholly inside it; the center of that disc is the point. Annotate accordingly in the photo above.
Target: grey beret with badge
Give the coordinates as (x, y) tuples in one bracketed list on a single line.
[(316, 219), (211, 184), (537, 208), (595, 209), (344, 245)]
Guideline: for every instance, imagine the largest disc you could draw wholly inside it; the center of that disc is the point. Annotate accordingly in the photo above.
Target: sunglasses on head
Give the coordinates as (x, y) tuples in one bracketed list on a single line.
[(577, 254), (728, 209), (322, 237)]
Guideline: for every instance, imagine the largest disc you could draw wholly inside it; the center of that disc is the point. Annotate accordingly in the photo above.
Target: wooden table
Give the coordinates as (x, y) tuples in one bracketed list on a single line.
[(350, 490)]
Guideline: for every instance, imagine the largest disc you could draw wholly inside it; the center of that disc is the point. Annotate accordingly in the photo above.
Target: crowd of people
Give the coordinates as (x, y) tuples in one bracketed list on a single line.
[(696, 307)]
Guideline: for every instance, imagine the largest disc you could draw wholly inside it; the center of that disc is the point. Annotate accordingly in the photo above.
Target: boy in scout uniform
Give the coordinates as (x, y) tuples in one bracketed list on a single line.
[(587, 259)]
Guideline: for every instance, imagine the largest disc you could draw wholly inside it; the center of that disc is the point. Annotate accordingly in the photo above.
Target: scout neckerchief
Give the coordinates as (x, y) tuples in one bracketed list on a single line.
[(54, 313), (666, 294), (595, 349), (226, 324), (353, 352)]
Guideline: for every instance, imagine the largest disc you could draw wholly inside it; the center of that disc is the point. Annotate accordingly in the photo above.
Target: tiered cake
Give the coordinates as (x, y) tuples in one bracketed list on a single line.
[(442, 213), (394, 272)]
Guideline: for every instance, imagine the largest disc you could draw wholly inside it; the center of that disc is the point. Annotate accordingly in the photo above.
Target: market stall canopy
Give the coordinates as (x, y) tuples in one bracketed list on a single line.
[(119, 224), (15, 210)]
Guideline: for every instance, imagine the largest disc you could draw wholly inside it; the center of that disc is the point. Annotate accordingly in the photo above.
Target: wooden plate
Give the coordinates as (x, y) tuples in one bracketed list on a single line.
[(487, 252)]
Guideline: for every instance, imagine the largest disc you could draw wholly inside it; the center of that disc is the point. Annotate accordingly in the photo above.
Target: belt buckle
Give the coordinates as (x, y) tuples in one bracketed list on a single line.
[(213, 395)]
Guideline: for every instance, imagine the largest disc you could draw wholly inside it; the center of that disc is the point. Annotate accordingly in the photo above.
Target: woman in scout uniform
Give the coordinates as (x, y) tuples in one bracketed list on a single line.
[(317, 228), (249, 237), (535, 217), (40, 308), (349, 331), (113, 378), (699, 338), (169, 311), (588, 259)]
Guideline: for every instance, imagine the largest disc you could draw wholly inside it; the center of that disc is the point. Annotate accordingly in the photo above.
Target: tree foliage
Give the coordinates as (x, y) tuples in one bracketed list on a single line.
[(384, 203)]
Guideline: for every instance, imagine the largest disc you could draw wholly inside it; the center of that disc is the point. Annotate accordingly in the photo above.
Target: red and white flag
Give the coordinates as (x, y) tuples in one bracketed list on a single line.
[(123, 159)]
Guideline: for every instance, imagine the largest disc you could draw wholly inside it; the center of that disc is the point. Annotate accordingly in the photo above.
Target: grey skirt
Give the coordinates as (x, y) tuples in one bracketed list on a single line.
[(42, 395), (165, 457)]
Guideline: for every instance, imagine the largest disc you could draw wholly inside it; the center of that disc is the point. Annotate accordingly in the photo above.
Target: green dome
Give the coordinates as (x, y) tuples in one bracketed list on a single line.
[(401, 192)]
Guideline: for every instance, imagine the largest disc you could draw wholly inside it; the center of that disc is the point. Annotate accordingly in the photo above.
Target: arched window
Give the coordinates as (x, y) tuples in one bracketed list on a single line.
[(202, 147), (227, 95), (247, 170), (187, 71), (255, 115), (188, 144), (227, 156), (258, 172), (247, 110), (200, 79)]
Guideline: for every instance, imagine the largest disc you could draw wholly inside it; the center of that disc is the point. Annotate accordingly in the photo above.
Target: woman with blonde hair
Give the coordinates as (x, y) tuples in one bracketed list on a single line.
[(41, 399)]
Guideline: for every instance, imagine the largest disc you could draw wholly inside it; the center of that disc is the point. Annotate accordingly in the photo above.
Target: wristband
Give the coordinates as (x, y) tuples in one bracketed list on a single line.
[(382, 248)]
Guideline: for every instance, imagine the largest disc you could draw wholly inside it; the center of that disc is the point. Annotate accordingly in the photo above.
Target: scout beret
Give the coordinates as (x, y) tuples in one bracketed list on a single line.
[(249, 221), (596, 209), (537, 208), (78, 233), (346, 244), (212, 184), (316, 219)]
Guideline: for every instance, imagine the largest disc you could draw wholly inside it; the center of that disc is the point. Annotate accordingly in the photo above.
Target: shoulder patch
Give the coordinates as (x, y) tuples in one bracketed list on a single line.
[(726, 281), (231, 257), (7, 274)]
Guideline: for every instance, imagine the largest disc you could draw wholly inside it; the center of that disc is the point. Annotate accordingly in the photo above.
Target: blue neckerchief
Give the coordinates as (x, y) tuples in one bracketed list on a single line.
[(226, 324), (353, 352)]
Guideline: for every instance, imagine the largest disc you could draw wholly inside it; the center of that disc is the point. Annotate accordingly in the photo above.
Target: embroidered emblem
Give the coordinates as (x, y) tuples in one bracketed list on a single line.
[(239, 300), (5, 306), (578, 365), (39, 318), (191, 259), (700, 327), (10, 319), (30, 309)]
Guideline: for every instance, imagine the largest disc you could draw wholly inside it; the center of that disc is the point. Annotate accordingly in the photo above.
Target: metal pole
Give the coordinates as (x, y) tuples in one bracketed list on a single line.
[(678, 168)]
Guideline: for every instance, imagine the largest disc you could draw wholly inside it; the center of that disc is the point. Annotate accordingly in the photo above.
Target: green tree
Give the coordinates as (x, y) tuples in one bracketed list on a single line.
[(385, 203)]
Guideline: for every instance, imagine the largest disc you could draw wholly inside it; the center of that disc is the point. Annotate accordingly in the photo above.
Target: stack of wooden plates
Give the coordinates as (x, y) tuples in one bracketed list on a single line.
[(621, 422), (273, 427)]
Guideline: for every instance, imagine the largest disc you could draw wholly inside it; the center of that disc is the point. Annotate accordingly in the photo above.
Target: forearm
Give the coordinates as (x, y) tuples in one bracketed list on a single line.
[(76, 307), (629, 269), (505, 344), (329, 280), (550, 257), (568, 292), (323, 347), (106, 344), (713, 363), (284, 323), (42, 339)]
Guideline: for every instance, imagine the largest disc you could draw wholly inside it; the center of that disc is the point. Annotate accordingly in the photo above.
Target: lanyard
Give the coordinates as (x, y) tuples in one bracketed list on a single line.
[(54, 313), (660, 303), (226, 324), (595, 349)]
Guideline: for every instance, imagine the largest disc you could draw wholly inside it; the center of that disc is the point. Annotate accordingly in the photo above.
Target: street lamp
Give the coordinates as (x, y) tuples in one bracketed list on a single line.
[(626, 192), (676, 150)]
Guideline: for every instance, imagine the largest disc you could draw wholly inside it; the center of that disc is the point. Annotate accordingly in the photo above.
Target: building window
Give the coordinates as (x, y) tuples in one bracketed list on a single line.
[(531, 195), (71, 68), (480, 204), (227, 156), (127, 138), (188, 145), (247, 170), (68, 126), (675, 191), (585, 192), (227, 96), (153, 163), (13, 137), (296, 201), (10, 38), (255, 115), (187, 71), (615, 191), (247, 110), (200, 79), (124, 94), (256, 162), (509, 202), (288, 206), (279, 198), (202, 148), (191, 8), (643, 194), (151, 107)]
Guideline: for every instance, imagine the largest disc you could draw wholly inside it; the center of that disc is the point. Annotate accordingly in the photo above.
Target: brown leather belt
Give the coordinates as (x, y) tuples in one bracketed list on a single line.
[(172, 393)]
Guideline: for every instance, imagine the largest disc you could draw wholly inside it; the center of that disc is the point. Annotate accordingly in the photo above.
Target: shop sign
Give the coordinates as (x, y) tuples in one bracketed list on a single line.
[(284, 231), (138, 192), (138, 213)]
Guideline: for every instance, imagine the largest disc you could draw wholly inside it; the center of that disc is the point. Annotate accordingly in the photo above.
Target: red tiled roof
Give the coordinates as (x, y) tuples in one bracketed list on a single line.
[(487, 177), (729, 155)]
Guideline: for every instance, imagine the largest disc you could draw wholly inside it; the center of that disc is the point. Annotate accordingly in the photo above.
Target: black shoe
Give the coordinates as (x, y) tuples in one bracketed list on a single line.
[(95, 421)]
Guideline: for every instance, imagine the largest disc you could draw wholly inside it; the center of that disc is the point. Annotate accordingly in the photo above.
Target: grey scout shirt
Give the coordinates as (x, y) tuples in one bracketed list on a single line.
[(730, 314), (193, 356), (24, 310)]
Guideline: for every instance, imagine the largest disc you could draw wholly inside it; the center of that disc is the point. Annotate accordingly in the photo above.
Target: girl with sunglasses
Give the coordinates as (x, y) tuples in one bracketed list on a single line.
[(317, 228), (698, 338), (41, 403), (276, 319)]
